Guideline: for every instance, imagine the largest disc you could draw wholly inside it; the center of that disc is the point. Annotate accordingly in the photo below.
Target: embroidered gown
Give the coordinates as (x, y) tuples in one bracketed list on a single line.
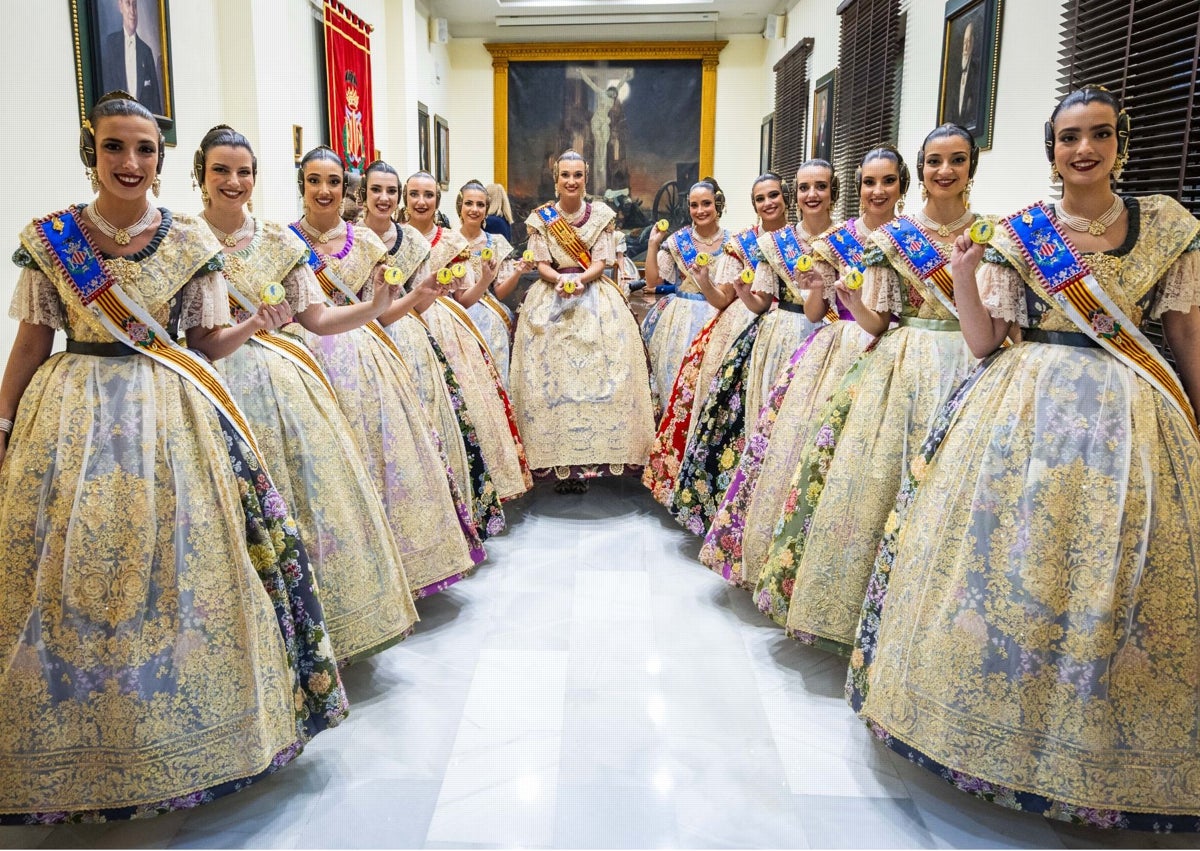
[(376, 392), (162, 637), (315, 461), (466, 350), (581, 389), (737, 541), (820, 558), (490, 315), (1039, 639), (670, 329), (439, 390)]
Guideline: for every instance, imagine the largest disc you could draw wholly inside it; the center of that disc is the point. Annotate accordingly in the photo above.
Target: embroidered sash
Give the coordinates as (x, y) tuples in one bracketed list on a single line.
[(845, 248), (746, 240), (1056, 272), (922, 259), (279, 343), (568, 240), (332, 284), (82, 266)]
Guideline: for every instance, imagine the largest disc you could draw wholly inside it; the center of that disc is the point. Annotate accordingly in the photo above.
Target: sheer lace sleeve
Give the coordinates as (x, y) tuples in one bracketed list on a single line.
[(829, 274), (539, 247), (881, 290), (726, 270), (205, 302), (1002, 292), (603, 248), (765, 280), (1179, 288), (36, 301), (666, 267), (302, 287)]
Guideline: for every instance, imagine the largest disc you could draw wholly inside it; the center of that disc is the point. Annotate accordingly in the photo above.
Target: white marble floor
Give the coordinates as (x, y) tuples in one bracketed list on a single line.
[(593, 686)]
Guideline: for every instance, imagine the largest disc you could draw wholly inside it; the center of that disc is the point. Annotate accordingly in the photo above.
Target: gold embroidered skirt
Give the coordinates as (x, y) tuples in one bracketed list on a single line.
[(681, 320), (781, 333)]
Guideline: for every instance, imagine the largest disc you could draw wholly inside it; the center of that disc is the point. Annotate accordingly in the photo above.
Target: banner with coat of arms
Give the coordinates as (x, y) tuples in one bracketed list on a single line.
[(348, 69)]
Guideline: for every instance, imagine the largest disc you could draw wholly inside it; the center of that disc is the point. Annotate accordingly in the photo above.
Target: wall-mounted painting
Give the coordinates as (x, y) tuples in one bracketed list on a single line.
[(125, 44), (641, 114), (423, 161), (441, 146), (766, 137), (822, 117), (970, 59)]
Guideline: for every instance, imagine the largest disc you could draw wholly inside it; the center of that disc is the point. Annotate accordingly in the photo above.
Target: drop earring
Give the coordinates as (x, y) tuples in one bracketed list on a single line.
[(924, 193), (156, 187), (1055, 177), (205, 198), (95, 181), (900, 207), (967, 193)]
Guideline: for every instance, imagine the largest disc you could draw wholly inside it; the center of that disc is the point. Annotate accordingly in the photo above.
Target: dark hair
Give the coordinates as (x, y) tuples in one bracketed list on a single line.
[(321, 152), (947, 131), (885, 152), (1093, 94), (115, 103), (470, 184), (404, 193), (377, 166), (825, 164), (784, 189), (220, 135), (710, 183)]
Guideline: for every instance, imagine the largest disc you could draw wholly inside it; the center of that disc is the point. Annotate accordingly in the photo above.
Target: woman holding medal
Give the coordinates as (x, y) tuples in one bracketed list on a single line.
[(442, 397), (679, 258), (737, 541), (293, 410), (580, 384), (463, 343), (837, 506), (163, 640), (497, 271), (1039, 649), (430, 520)]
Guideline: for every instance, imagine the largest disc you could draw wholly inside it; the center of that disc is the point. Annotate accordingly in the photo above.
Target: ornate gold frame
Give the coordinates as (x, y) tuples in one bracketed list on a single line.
[(503, 53)]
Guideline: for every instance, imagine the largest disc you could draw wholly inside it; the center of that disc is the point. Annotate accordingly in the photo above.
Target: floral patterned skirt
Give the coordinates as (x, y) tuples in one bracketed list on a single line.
[(783, 331), (163, 639), (442, 397), (674, 330), (1032, 632), (833, 518), (740, 534)]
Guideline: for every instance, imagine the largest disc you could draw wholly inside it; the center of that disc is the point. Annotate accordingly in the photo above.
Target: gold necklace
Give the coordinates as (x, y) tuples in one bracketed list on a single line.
[(121, 236), (323, 236), (1096, 227), (233, 238), (944, 230)]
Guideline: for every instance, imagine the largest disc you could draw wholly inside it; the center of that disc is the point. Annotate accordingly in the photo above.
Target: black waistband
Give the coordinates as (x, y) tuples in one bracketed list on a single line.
[(791, 307), (1059, 338), (99, 350)]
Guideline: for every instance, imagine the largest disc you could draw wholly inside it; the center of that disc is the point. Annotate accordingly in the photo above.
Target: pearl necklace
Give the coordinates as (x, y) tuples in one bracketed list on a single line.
[(232, 239), (121, 236), (1096, 227), (716, 238), (323, 237), (944, 230)]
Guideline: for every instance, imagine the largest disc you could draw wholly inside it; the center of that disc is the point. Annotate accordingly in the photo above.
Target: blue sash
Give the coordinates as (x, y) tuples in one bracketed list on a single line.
[(748, 240), (686, 247), (789, 249), (923, 259), (844, 243)]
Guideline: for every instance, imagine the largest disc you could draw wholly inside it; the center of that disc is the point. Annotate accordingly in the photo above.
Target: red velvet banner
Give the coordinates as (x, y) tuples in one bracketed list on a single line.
[(348, 66)]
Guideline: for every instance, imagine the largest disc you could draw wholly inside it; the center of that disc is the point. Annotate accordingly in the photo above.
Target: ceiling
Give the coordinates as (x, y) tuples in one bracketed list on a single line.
[(604, 20)]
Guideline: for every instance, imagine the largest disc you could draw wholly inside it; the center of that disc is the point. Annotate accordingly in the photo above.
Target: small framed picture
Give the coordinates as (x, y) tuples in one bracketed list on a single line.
[(441, 145), (766, 138), (970, 59), (423, 161), (297, 143), (822, 117)]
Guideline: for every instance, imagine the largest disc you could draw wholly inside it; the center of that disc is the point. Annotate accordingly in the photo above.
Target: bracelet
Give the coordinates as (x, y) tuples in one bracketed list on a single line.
[(6, 426)]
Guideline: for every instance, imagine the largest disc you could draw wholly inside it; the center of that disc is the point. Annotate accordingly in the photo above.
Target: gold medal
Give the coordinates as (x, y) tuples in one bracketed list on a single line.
[(458, 270), (981, 232), (393, 276), (444, 277), (804, 263), (569, 286), (663, 225), (747, 275), (486, 254), (853, 280), (527, 256), (702, 259), (273, 293)]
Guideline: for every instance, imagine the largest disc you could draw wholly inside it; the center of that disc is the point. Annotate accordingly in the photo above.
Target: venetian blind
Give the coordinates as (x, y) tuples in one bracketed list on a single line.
[(866, 92), (1148, 53), (788, 146)]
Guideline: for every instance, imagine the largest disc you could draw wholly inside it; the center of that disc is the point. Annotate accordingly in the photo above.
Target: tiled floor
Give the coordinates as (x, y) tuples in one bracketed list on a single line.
[(593, 686)]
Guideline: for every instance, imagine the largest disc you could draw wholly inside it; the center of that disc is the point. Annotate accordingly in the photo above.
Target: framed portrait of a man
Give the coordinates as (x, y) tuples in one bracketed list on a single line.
[(822, 117), (970, 58), (126, 45)]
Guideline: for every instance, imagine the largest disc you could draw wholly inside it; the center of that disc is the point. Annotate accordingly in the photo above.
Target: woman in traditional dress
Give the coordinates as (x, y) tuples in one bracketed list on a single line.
[(721, 350), (777, 281), (294, 413), (737, 541), (436, 384), (463, 343), (841, 493), (429, 518), (1039, 639), (580, 384), (497, 271), (162, 638), (677, 260)]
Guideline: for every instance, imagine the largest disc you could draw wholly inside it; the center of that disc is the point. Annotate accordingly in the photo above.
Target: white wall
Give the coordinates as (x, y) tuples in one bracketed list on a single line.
[(741, 105)]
